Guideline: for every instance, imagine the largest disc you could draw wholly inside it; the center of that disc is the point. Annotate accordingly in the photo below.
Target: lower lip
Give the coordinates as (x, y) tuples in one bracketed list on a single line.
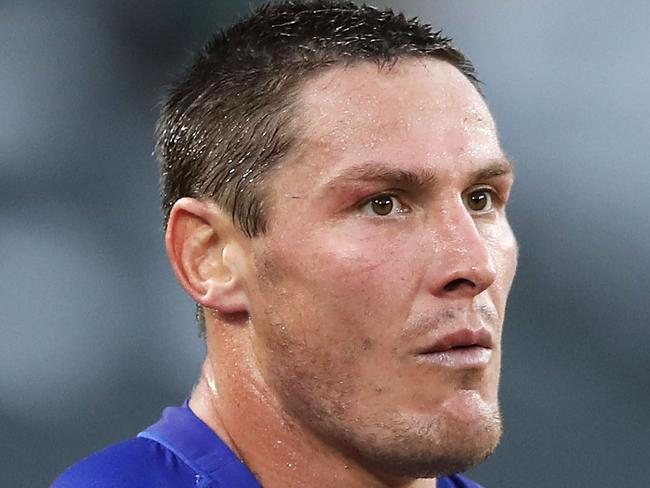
[(459, 358)]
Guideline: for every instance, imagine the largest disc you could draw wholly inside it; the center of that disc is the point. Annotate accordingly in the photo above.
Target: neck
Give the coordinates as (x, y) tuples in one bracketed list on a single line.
[(233, 400)]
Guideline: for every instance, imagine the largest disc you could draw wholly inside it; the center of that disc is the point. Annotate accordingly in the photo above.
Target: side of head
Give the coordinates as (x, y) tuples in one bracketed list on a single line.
[(229, 121)]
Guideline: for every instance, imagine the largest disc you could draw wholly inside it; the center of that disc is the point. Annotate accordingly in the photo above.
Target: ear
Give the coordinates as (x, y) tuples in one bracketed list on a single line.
[(206, 253)]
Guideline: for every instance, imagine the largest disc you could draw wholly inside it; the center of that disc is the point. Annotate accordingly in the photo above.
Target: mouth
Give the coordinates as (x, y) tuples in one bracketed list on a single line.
[(462, 349)]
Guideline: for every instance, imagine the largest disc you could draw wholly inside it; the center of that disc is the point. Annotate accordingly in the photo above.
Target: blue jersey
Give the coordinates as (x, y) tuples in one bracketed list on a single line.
[(179, 450)]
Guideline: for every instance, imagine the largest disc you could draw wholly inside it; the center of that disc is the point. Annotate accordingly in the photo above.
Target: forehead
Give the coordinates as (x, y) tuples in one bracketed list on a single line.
[(426, 103), (421, 116)]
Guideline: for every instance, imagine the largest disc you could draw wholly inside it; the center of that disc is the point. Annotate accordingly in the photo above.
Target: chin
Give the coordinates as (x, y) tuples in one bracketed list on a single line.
[(462, 434)]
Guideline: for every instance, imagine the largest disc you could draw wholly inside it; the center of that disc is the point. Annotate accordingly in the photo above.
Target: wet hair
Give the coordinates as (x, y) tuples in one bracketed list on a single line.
[(228, 121)]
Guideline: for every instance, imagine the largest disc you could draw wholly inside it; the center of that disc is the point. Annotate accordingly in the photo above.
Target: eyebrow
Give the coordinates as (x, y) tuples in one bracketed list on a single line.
[(377, 171), (495, 167), (374, 171)]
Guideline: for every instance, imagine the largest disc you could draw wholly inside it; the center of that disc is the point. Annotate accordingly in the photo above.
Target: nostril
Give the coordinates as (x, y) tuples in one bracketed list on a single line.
[(458, 283)]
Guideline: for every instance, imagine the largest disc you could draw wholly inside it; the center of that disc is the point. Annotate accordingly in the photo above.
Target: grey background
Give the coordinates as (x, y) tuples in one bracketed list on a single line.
[(96, 336)]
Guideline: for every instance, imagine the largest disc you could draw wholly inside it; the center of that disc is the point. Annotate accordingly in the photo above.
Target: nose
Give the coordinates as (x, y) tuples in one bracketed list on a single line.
[(462, 263)]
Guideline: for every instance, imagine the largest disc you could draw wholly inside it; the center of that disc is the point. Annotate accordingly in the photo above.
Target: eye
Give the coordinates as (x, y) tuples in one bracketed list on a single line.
[(382, 205), (480, 200)]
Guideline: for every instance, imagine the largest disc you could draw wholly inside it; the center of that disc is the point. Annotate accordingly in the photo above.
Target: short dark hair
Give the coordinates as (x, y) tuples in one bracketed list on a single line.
[(227, 122)]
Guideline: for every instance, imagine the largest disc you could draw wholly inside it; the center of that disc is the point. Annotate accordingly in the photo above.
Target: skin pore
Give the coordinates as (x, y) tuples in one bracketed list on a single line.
[(386, 232)]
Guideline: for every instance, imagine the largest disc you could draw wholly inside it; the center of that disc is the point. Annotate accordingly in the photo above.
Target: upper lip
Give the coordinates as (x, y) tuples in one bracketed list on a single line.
[(480, 337)]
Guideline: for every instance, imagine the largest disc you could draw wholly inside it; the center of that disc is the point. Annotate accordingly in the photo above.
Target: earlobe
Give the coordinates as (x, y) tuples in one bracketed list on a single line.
[(203, 247)]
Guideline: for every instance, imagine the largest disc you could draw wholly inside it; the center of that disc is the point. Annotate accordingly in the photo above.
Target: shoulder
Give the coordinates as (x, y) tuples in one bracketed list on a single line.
[(135, 463)]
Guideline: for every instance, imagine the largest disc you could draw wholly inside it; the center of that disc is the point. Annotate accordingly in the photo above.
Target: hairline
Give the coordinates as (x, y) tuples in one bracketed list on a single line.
[(298, 124)]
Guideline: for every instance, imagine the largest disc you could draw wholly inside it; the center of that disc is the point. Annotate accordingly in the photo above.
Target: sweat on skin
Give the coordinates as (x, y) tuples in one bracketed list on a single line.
[(387, 231)]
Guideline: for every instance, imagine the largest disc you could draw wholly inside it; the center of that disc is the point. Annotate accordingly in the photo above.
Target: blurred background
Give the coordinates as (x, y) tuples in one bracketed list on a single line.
[(96, 337)]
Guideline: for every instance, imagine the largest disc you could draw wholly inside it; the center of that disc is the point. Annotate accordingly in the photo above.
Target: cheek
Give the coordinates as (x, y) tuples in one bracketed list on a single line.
[(504, 251), (508, 256), (340, 283), (323, 316)]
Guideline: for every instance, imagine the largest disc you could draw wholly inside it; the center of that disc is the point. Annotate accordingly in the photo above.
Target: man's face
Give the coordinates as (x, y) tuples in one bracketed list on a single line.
[(388, 257)]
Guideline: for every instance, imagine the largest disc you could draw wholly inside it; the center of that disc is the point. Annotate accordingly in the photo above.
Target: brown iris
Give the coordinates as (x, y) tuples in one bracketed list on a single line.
[(382, 205), (478, 200)]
